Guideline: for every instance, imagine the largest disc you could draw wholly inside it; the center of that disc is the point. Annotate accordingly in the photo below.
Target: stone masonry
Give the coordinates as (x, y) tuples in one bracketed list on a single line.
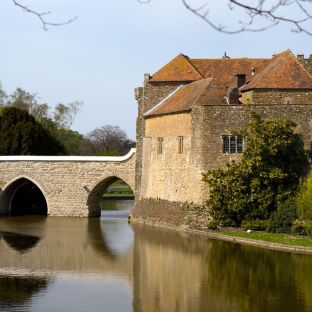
[(71, 185), (169, 184)]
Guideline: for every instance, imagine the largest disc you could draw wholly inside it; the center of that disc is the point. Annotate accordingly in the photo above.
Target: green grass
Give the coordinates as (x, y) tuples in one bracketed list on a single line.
[(278, 238), (118, 195), (118, 189)]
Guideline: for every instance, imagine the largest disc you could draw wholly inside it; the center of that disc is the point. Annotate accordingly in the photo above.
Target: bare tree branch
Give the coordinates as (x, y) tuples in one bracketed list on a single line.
[(42, 16), (272, 13)]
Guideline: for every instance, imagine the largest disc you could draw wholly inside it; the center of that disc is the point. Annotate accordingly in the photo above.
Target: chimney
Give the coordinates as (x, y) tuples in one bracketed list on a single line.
[(240, 80)]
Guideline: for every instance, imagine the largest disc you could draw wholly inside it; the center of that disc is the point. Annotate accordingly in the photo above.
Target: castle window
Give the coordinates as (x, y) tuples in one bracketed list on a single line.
[(232, 144), (226, 144), (180, 145), (160, 145)]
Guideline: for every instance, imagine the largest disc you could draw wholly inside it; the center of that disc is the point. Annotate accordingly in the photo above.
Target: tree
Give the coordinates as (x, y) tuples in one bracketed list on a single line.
[(3, 96), (20, 134), (267, 13), (71, 140), (42, 16), (108, 139), (65, 114), (268, 174), (22, 99)]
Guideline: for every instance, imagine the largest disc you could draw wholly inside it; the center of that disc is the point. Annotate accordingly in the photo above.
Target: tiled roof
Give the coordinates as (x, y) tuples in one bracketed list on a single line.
[(178, 69), (184, 69), (283, 72), (201, 92), (224, 70)]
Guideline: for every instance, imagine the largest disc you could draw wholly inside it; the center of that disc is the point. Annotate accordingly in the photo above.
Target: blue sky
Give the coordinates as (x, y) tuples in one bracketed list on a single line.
[(101, 57)]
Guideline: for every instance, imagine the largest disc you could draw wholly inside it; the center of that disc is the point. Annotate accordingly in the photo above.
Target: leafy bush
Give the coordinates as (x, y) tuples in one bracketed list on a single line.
[(302, 227), (256, 225), (212, 225), (269, 172), (282, 219), (304, 199)]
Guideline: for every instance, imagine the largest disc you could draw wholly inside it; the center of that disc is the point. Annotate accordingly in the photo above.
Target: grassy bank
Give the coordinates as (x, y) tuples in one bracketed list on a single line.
[(275, 238), (118, 190)]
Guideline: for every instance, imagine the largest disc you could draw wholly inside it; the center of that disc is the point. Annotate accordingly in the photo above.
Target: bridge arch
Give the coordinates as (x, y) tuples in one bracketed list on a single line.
[(97, 191), (22, 196)]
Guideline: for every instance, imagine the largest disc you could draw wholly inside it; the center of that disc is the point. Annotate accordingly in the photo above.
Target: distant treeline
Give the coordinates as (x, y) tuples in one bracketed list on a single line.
[(30, 128)]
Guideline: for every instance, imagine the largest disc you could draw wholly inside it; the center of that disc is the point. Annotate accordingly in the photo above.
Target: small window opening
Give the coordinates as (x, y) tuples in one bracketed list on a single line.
[(160, 145), (288, 101), (180, 145)]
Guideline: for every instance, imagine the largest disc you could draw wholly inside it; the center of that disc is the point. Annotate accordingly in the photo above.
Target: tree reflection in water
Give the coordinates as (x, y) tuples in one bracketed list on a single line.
[(164, 270), (181, 272)]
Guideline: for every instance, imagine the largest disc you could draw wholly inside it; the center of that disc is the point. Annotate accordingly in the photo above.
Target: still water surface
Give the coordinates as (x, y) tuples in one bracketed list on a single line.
[(70, 264)]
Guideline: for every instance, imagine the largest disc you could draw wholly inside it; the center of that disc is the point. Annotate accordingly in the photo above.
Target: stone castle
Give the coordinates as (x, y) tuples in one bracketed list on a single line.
[(187, 112)]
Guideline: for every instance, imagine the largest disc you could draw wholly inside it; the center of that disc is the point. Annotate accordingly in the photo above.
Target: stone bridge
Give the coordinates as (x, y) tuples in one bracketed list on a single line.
[(65, 185)]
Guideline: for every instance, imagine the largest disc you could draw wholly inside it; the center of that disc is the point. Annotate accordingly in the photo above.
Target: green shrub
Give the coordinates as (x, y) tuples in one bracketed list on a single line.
[(282, 219), (256, 225), (304, 199), (298, 227), (302, 227), (269, 172), (212, 225)]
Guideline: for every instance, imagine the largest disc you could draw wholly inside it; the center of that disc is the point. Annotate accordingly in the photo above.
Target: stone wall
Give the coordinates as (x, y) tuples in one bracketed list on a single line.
[(147, 97), (174, 178), (306, 62), (211, 122), (167, 212), (70, 186), (269, 97), (169, 175)]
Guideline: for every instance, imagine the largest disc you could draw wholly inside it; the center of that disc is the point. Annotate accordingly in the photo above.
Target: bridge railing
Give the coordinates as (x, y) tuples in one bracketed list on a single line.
[(70, 158)]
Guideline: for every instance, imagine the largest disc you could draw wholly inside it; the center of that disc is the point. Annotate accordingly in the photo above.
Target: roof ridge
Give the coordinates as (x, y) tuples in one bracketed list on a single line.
[(262, 79), (229, 59), (178, 69), (193, 66), (293, 55)]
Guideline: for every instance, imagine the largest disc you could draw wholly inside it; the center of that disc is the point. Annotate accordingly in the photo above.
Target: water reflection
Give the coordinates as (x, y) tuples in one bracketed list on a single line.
[(107, 265), (17, 291), (20, 242), (189, 273)]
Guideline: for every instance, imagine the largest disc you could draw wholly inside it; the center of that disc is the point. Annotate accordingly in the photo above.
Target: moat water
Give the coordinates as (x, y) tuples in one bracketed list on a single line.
[(105, 264)]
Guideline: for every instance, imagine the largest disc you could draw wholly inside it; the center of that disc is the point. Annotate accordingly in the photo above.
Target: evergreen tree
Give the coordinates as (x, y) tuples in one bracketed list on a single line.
[(21, 134)]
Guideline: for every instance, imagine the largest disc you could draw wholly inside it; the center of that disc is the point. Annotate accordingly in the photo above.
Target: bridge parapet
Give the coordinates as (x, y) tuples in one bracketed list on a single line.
[(71, 185)]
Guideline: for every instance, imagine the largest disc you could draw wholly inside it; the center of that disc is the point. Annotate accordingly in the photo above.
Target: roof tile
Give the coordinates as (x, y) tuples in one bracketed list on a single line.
[(283, 72), (201, 92), (178, 69)]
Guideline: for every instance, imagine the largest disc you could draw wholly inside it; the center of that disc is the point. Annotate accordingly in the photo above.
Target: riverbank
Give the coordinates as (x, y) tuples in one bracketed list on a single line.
[(240, 237)]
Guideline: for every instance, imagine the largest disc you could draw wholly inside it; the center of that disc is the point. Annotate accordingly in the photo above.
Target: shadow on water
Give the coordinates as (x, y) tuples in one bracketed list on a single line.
[(20, 242), (22, 233), (17, 291)]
